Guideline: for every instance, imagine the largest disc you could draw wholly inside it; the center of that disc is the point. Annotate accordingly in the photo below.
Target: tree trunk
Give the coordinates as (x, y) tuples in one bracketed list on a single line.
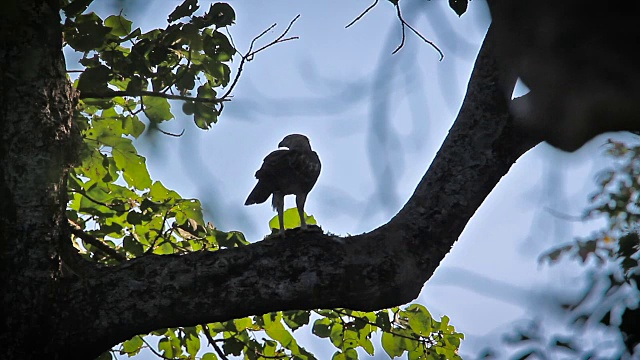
[(36, 106)]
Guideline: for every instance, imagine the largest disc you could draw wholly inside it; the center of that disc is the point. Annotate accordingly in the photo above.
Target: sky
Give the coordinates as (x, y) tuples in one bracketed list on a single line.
[(377, 120)]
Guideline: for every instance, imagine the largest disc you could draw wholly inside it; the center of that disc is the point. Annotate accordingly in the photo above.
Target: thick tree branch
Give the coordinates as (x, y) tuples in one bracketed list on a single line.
[(383, 268)]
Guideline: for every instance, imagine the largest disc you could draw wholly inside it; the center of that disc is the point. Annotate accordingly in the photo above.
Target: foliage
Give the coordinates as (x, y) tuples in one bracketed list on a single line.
[(118, 212), (610, 302)]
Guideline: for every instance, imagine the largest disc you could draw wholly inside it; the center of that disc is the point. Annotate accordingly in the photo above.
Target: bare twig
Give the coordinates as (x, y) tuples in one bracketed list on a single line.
[(251, 53), (213, 342), (362, 14), (404, 23), (170, 134), (77, 231)]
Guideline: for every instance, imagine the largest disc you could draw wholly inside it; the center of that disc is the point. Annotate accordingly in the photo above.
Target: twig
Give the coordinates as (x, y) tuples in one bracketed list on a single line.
[(250, 53), (90, 239), (563, 216), (170, 134), (404, 23), (110, 206), (113, 93), (164, 220), (362, 14), (213, 342)]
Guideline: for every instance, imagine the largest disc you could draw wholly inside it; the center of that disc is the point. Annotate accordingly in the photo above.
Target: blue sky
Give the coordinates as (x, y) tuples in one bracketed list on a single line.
[(376, 121)]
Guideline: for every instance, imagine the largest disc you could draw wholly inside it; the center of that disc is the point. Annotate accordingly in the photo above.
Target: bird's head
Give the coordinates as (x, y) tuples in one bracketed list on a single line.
[(295, 142)]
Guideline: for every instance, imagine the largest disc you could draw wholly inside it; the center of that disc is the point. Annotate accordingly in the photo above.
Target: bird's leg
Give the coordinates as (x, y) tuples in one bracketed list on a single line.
[(278, 203), (300, 199)]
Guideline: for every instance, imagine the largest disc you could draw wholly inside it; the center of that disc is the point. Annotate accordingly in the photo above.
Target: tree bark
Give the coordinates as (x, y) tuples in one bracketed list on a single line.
[(83, 316), (36, 107)]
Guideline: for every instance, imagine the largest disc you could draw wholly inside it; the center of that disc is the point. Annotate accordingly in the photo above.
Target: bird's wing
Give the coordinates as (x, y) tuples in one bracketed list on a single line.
[(290, 171), (274, 164)]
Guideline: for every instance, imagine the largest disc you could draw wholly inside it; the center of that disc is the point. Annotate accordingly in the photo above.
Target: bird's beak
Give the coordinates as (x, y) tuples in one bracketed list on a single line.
[(281, 144)]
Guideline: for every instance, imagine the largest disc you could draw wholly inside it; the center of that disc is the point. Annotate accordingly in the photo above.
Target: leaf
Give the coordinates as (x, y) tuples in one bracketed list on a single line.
[(295, 319), (187, 8), (76, 7), (132, 126), (132, 346), (322, 328), (94, 79), (119, 25), (86, 33), (392, 345), (277, 332), (336, 336), (134, 168), (205, 114), (220, 15), (157, 109), (291, 220), (192, 344), (132, 246), (419, 319)]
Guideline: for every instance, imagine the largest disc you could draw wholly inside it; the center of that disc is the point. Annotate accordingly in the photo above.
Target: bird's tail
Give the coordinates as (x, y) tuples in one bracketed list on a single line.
[(259, 194)]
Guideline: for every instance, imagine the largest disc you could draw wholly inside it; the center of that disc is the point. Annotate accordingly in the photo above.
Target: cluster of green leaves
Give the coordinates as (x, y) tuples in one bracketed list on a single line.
[(190, 55), (121, 213), (111, 191), (269, 336), (412, 330)]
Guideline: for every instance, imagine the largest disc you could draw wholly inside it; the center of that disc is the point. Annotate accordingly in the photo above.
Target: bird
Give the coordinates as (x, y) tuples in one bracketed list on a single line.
[(290, 171)]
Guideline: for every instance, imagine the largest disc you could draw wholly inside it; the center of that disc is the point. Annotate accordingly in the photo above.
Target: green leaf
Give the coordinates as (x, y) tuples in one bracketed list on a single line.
[(295, 319), (86, 33), (209, 356), (337, 331), (94, 79), (189, 209), (243, 324), (192, 344), (322, 328), (76, 7), (187, 8), (222, 14), (232, 346), (119, 25), (134, 168), (157, 109), (291, 220), (205, 114), (132, 346), (132, 246), (382, 320), (276, 331), (132, 126), (392, 345), (419, 319)]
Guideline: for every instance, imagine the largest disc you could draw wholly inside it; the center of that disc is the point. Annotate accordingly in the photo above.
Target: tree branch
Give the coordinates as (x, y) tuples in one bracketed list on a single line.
[(383, 268), (90, 239), (140, 93)]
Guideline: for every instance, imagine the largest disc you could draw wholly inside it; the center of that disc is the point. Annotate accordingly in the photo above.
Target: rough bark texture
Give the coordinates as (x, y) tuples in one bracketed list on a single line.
[(84, 316), (36, 104)]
